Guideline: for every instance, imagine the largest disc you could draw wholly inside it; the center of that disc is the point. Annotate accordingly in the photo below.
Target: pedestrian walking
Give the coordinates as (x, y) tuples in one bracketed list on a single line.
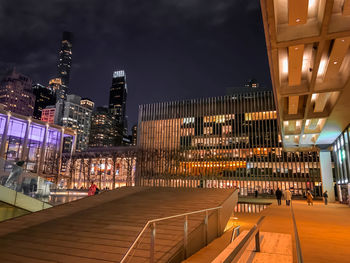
[(309, 198), (278, 196), (92, 189), (288, 196), (256, 193), (325, 197)]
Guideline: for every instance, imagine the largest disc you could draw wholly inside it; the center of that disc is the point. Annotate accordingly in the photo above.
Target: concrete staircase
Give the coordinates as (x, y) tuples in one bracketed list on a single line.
[(102, 228)]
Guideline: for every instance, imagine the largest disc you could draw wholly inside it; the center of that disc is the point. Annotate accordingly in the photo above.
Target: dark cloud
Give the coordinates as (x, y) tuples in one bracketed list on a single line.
[(170, 49)]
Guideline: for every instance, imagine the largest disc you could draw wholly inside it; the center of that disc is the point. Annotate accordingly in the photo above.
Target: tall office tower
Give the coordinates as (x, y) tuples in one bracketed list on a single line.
[(58, 88), (222, 142), (43, 97), (117, 102), (65, 58), (16, 93), (75, 116), (102, 128)]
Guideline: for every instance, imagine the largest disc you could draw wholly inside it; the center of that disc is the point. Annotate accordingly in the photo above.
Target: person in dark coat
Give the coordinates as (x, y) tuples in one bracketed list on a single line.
[(278, 196), (325, 196)]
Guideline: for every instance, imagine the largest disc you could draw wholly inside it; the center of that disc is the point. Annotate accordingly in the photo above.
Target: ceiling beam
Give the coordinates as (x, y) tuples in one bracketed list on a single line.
[(293, 103), (295, 63), (297, 12)]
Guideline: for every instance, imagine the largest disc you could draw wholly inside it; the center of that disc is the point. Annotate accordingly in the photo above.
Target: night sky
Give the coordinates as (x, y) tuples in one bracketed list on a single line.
[(170, 49)]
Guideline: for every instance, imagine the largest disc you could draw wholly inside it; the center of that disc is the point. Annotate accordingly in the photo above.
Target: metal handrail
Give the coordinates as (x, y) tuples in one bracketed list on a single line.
[(235, 233), (240, 248), (297, 241), (162, 219)]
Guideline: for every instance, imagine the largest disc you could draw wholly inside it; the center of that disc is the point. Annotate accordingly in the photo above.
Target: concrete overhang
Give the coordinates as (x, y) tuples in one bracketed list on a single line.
[(309, 56)]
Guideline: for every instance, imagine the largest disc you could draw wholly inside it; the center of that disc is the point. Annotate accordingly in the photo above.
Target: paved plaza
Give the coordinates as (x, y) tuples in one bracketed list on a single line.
[(324, 231)]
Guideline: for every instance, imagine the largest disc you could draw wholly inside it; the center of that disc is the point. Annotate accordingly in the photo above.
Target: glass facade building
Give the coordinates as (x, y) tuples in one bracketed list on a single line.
[(117, 104), (65, 58), (37, 143), (221, 142), (341, 158)]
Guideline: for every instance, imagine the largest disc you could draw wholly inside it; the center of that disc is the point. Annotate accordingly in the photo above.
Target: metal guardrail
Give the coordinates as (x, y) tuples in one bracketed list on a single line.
[(241, 247), (235, 233), (152, 225), (296, 235)]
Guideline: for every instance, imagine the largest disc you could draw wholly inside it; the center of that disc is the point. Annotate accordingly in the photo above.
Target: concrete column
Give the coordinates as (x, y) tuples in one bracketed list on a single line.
[(327, 175), (4, 137), (42, 153), (25, 151), (74, 143), (60, 156)]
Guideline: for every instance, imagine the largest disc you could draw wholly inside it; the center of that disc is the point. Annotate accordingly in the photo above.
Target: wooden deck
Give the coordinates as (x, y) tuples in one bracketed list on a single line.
[(101, 228)]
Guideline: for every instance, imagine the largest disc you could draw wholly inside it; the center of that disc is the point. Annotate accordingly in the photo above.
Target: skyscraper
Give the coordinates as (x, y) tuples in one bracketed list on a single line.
[(76, 115), (65, 58), (58, 88), (102, 128), (117, 100), (16, 93), (44, 96)]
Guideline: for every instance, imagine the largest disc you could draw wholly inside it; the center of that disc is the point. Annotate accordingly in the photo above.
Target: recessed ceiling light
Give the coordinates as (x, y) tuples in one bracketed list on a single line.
[(343, 40), (297, 20), (335, 62)]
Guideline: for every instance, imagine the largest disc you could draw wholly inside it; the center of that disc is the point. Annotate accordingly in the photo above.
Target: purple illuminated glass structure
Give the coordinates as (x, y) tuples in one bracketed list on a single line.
[(37, 143)]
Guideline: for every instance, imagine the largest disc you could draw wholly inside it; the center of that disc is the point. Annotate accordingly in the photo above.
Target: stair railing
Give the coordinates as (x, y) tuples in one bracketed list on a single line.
[(152, 225)]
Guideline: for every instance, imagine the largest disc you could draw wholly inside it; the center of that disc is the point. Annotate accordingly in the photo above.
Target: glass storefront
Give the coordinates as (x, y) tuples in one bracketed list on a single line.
[(341, 160)]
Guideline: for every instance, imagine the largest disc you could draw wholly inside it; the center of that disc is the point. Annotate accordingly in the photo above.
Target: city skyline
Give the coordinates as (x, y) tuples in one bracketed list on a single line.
[(198, 37)]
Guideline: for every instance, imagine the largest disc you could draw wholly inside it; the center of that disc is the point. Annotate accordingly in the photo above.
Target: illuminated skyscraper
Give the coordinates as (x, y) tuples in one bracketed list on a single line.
[(102, 128), (65, 58), (75, 113), (117, 100), (44, 96)]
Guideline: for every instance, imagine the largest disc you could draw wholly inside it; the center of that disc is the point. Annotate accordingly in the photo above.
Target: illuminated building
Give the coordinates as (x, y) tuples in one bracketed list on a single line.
[(58, 88), (65, 58), (341, 157), (16, 93), (87, 103), (38, 143), (43, 97), (221, 142), (134, 135), (108, 167), (102, 128), (75, 116), (117, 102), (48, 114)]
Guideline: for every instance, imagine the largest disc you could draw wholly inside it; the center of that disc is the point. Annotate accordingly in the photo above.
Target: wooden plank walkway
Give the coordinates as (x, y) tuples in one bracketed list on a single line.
[(319, 227), (101, 228), (274, 248)]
